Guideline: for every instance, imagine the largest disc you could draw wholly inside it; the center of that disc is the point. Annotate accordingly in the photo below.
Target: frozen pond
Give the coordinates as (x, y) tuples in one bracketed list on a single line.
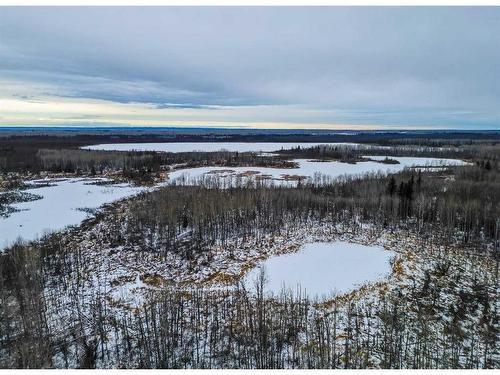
[(307, 169), (61, 205), (208, 146), (323, 268)]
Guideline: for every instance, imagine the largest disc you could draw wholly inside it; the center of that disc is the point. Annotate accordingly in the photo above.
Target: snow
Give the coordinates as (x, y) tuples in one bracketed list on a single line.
[(309, 168), (130, 293), (324, 268), (207, 146), (59, 207)]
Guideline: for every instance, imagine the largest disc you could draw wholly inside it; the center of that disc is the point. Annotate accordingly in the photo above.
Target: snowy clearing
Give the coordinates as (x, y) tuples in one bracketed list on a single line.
[(323, 268), (64, 202)]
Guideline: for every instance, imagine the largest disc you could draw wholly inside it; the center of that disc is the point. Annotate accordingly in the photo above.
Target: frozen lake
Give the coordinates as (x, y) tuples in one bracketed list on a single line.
[(59, 207), (208, 146), (323, 268), (228, 176)]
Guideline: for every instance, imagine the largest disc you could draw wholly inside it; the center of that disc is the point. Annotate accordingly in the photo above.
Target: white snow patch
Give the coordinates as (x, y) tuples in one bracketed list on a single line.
[(59, 207), (324, 268)]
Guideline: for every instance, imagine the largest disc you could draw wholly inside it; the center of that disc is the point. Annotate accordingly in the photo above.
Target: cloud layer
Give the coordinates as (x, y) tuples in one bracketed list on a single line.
[(311, 67)]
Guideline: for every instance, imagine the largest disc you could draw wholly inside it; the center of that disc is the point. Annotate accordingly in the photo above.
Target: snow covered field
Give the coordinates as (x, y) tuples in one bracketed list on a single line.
[(207, 146), (307, 169), (61, 205), (323, 268)]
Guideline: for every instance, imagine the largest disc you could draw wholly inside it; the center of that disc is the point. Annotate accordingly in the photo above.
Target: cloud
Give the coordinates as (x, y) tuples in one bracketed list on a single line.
[(186, 105), (395, 66)]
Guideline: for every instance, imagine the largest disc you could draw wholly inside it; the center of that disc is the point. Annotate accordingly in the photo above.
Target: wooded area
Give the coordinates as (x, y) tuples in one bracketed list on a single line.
[(440, 312)]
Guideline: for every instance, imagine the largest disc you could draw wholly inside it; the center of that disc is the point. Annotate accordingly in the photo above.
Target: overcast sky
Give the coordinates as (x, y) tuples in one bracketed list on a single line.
[(269, 67)]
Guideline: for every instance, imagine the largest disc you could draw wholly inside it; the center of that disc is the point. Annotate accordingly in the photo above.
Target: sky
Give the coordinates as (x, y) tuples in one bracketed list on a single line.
[(257, 67)]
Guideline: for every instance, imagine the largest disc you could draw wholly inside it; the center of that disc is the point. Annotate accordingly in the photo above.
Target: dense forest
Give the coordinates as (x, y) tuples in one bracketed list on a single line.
[(437, 309)]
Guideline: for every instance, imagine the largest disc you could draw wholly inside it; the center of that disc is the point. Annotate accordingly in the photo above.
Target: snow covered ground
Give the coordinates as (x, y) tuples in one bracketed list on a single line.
[(61, 205), (307, 169), (323, 269)]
